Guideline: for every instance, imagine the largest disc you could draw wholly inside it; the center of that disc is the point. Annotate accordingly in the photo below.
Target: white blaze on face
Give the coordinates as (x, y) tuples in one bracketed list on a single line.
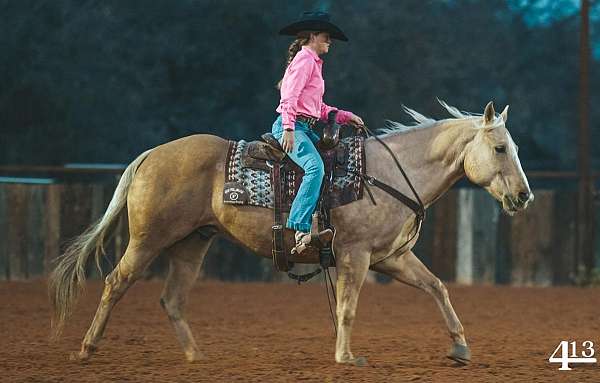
[(517, 163)]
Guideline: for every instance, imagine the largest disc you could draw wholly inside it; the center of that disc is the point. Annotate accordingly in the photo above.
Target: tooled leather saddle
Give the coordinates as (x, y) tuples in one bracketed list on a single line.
[(259, 173)]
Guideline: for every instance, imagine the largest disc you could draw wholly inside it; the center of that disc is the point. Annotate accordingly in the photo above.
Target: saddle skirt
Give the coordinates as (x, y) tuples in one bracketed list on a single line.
[(249, 181)]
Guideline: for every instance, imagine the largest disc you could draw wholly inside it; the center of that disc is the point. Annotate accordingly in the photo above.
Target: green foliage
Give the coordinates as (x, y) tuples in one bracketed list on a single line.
[(86, 81)]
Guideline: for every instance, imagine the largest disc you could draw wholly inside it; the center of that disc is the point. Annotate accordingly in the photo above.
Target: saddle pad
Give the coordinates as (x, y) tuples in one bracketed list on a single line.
[(253, 186)]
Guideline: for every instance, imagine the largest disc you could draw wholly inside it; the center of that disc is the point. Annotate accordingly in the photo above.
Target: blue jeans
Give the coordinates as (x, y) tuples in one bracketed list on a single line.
[(307, 157)]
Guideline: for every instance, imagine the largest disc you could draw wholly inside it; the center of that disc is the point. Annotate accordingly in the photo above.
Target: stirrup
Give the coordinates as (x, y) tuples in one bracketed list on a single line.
[(318, 240)]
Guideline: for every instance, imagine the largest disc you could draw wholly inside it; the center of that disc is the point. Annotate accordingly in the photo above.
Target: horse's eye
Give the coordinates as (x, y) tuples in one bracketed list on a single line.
[(500, 149)]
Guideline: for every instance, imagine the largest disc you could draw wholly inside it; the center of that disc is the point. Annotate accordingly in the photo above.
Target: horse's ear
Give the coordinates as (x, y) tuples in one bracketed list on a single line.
[(504, 113), (489, 113)]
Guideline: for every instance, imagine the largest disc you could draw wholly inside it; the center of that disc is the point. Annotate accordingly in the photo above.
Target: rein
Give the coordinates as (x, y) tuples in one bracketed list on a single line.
[(416, 206)]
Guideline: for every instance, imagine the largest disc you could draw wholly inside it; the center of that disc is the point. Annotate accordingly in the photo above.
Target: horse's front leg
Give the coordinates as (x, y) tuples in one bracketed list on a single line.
[(352, 270), (409, 269)]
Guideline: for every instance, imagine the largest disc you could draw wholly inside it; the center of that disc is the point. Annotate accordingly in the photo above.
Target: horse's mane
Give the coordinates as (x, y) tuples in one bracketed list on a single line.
[(420, 121)]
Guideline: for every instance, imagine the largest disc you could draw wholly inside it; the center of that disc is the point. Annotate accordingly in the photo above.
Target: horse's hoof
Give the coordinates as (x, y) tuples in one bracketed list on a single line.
[(85, 353), (359, 361), (460, 354), (193, 356), (80, 356)]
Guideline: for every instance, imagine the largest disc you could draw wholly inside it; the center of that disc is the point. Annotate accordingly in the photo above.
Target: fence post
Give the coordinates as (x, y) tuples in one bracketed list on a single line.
[(531, 245), (4, 222), (443, 257), (464, 237), (564, 223), (485, 228), (35, 235), (17, 213), (52, 235)]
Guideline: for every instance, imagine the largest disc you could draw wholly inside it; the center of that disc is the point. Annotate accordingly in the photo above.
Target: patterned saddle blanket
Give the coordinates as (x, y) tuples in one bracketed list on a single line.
[(248, 179)]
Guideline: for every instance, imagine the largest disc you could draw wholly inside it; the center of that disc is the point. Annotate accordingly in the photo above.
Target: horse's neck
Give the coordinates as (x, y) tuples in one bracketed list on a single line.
[(432, 157)]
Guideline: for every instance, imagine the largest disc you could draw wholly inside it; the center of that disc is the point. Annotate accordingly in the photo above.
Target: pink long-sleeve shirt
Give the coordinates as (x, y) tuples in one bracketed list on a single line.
[(302, 90)]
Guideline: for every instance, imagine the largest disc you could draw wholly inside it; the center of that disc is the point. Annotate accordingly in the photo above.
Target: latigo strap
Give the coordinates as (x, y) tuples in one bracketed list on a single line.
[(280, 260)]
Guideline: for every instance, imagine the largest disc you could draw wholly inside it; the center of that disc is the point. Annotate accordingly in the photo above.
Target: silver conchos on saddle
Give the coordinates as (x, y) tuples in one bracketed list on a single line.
[(235, 193)]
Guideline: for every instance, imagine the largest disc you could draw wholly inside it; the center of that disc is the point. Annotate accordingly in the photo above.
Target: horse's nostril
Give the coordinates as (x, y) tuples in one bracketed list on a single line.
[(523, 196)]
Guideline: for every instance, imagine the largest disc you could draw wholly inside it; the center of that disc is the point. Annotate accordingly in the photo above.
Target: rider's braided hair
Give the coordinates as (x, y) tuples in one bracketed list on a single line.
[(302, 39)]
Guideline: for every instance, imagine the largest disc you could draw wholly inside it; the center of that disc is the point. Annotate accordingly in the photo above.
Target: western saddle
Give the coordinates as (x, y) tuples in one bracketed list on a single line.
[(269, 153)]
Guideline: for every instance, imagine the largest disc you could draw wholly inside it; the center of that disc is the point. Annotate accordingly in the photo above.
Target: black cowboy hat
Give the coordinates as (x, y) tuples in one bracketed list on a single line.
[(314, 21)]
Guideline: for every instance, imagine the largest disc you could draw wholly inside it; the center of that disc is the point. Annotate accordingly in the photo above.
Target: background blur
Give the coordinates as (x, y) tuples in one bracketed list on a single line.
[(91, 84)]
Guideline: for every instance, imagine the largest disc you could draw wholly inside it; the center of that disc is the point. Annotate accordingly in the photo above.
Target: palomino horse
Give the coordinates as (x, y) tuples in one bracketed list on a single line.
[(173, 193)]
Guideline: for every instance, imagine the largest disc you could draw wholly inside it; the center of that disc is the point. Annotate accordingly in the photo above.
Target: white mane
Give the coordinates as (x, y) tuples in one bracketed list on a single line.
[(420, 121)]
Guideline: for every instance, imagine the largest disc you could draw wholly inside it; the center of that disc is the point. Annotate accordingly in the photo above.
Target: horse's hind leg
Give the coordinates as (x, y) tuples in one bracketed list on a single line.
[(128, 270), (185, 260), (409, 269)]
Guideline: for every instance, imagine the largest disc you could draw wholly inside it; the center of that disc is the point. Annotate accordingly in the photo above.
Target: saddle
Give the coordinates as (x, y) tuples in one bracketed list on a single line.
[(259, 173)]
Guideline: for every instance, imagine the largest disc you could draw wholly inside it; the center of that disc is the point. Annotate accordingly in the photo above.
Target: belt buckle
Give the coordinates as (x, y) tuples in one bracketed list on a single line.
[(309, 120)]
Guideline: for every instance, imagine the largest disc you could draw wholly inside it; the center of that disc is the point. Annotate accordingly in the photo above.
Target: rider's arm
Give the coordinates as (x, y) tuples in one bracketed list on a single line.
[(342, 117), (294, 80)]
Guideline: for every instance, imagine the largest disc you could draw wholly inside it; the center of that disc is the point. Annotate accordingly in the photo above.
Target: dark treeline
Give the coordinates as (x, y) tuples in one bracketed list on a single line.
[(101, 81)]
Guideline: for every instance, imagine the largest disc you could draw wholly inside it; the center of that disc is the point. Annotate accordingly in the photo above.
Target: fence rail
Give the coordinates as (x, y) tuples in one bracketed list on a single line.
[(119, 168), (466, 238)]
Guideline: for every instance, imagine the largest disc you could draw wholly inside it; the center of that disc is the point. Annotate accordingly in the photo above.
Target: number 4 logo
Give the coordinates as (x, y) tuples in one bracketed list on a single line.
[(565, 359)]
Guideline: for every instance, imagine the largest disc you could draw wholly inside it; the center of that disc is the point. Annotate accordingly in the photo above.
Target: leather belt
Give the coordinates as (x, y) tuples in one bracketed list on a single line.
[(311, 121)]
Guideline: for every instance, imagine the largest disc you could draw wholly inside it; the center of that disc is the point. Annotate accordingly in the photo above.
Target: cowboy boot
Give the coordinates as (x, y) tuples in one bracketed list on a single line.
[(304, 240)]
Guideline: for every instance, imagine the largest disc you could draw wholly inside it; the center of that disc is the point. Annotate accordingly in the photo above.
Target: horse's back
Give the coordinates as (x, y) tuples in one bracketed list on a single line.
[(187, 154), (177, 179), (197, 145)]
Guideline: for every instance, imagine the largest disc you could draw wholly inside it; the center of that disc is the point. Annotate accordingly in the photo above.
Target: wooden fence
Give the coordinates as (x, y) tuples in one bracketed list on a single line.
[(465, 238), (468, 239), (36, 221)]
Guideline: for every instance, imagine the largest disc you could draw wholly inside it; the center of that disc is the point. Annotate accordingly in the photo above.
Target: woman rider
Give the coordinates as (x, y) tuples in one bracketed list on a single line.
[(301, 105)]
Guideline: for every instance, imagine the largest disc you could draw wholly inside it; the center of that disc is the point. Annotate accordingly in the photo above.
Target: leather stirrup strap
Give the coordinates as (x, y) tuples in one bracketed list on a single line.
[(279, 255)]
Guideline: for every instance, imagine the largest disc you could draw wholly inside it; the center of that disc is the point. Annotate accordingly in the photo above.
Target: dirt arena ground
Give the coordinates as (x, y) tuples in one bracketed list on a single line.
[(282, 332)]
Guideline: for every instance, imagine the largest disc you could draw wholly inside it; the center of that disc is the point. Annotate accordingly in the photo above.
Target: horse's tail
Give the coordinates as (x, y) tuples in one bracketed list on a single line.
[(68, 278)]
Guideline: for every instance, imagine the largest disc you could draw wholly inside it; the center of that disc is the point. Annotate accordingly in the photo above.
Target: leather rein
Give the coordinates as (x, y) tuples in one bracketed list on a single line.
[(416, 206)]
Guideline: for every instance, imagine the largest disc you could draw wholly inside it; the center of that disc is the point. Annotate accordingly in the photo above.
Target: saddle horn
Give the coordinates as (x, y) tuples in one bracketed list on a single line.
[(331, 132)]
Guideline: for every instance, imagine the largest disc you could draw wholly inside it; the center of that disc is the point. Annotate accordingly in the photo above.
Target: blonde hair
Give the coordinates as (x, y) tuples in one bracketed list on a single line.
[(302, 38)]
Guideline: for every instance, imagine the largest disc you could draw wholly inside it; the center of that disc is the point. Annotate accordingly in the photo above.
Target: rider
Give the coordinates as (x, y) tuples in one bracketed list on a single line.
[(301, 105)]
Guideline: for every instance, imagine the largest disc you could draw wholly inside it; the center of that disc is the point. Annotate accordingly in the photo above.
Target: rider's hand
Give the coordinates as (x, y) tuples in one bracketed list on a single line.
[(288, 141), (356, 121)]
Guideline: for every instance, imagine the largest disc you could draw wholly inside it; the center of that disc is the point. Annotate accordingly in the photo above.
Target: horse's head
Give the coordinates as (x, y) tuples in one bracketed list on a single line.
[(491, 161)]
